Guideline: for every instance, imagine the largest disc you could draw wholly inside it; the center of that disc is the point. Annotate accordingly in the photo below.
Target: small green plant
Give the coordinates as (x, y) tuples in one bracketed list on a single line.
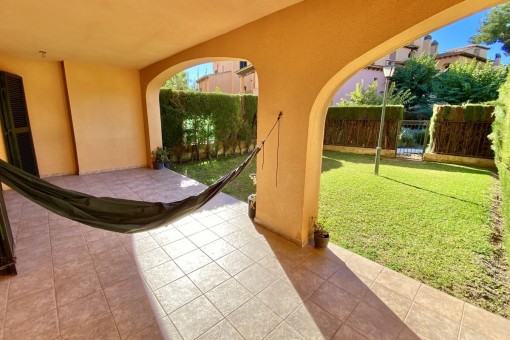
[(253, 197), (253, 177), (160, 155), (318, 228), (369, 95)]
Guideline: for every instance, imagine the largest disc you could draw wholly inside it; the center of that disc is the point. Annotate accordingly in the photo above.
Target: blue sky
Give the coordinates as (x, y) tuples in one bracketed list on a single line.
[(458, 34), (198, 71), (451, 36)]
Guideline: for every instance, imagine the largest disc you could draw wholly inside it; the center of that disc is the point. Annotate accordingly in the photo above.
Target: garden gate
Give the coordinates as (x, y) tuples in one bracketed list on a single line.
[(412, 139)]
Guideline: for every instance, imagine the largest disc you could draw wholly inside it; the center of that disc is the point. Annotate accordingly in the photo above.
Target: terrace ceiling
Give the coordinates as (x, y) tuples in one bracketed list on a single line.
[(126, 33)]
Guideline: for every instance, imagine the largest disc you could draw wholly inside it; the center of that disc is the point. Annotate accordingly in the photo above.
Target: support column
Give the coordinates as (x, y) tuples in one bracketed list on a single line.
[(288, 172)]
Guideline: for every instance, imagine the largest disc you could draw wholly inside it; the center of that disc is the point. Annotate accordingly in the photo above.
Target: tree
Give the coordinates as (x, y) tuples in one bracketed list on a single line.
[(369, 95), (417, 76), (495, 27), (363, 95), (471, 82), (179, 82)]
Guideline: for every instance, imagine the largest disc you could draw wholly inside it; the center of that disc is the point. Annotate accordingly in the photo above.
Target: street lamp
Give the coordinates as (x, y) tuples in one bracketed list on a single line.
[(388, 70)]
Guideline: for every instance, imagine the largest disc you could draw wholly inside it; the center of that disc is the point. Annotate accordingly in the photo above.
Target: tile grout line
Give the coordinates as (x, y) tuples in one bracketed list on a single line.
[(32, 270), (412, 302), (252, 296), (402, 322), (5, 308), (100, 283), (201, 294), (146, 286), (9, 280), (239, 307), (461, 319), (185, 275), (54, 280)]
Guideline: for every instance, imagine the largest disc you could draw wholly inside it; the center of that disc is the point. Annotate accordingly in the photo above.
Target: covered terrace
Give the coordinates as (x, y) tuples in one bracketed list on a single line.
[(91, 73)]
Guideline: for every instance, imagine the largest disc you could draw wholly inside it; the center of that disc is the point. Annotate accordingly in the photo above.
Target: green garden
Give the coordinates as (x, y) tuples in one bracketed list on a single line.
[(429, 221), (441, 224)]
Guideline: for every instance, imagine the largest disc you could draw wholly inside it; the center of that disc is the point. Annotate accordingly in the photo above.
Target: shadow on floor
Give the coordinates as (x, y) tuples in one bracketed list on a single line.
[(214, 274)]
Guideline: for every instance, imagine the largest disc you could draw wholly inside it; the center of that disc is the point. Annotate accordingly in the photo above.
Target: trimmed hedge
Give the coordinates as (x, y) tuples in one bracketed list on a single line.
[(358, 126), (461, 130), (196, 121), (365, 112), (465, 113), (501, 144)]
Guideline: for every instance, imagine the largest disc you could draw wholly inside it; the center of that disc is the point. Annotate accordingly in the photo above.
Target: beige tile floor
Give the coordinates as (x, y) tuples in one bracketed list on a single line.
[(212, 275)]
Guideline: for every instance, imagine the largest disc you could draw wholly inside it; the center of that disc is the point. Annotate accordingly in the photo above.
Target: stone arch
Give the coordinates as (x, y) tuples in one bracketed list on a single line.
[(293, 51), (150, 96), (319, 108)]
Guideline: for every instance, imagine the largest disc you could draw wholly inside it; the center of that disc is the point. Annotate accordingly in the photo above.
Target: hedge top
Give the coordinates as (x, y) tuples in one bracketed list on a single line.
[(365, 112), (465, 113)]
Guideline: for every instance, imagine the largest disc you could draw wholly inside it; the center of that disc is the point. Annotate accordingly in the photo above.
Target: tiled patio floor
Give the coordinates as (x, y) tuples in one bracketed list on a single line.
[(213, 275)]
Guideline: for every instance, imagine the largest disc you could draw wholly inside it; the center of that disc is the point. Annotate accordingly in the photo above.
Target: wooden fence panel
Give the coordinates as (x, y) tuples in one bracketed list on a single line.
[(360, 133), (466, 139)]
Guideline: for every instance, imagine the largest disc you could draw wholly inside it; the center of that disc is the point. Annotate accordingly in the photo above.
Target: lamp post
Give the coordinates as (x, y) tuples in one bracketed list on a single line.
[(388, 70)]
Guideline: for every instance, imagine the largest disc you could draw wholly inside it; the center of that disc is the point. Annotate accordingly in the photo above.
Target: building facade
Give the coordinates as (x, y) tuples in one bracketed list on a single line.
[(232, 76), (237, 77)]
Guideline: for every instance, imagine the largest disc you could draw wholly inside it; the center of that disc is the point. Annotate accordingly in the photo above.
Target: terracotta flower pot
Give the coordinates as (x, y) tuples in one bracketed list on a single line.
[(252, 206), (321, 241)]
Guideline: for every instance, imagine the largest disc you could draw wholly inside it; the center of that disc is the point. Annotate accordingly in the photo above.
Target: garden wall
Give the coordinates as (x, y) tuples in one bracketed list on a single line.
[(501, 143), (358, 126), (462, 130), (196, 125)]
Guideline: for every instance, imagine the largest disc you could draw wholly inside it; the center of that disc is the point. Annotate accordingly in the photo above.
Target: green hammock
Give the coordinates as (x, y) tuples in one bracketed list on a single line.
[(114, 214)]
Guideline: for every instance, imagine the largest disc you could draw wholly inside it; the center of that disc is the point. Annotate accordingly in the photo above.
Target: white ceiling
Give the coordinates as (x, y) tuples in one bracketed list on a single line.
[(127, 33)]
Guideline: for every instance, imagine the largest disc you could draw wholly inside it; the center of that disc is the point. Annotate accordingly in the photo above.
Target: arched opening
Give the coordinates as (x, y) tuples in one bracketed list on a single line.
[(445, 175), (212, 114), (231, 81)]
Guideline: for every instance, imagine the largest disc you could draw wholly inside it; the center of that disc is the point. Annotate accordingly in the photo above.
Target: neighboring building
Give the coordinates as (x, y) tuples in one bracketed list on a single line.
[(374, 72), (425, 46), (230, 77), (241, 77), (466, 53)]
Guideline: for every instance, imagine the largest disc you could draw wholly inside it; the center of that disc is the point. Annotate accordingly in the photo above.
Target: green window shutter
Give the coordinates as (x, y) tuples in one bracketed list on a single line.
[(16, 124)]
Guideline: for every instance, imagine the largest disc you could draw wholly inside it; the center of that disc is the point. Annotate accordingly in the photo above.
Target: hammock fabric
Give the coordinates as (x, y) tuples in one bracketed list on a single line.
[(114, 214)]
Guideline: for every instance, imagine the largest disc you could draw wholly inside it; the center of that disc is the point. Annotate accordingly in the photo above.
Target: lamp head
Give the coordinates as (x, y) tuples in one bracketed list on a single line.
[(389, 69)]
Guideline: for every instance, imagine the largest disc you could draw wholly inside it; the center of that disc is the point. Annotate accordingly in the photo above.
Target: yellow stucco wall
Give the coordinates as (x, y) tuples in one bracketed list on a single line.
[(302, 56), (106, 112), (49, 117)]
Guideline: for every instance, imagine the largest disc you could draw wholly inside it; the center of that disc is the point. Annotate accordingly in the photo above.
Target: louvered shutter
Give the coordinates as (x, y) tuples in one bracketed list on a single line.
[(16, 124)]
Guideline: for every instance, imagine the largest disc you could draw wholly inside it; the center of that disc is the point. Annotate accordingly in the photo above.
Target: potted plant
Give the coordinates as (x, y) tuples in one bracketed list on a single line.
[(160, 157), (252, 199), (320, 235)]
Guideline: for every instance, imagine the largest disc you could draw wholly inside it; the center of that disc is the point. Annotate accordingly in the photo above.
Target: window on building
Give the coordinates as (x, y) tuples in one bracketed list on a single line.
[(243, 64)]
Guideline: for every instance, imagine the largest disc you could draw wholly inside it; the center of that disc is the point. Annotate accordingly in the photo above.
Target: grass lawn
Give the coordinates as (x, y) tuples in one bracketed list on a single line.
[(429, 221), (209, 171)]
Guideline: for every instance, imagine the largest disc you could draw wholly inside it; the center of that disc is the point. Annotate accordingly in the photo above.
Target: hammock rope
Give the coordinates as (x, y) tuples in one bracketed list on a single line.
[(114, 214)]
